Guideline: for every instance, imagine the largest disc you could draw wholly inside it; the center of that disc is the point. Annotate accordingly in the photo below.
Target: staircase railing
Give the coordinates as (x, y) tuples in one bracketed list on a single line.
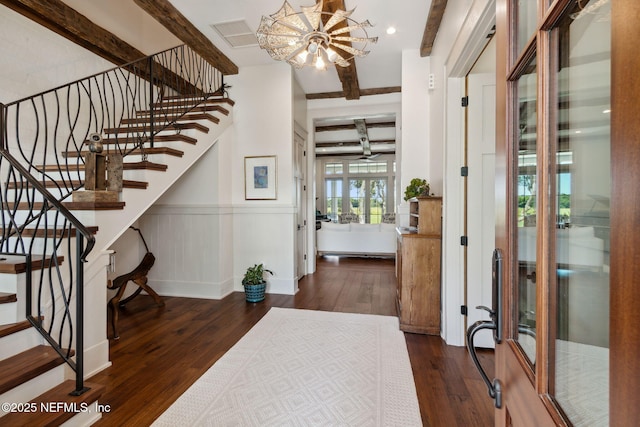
[(42, 143), (48, 132), (30, 214)]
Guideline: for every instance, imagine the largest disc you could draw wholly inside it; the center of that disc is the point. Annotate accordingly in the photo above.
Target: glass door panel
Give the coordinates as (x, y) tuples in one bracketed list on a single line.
[(582, 194), (527, 11), (527, 191), (377, 200), (357, 196), (333, 202)]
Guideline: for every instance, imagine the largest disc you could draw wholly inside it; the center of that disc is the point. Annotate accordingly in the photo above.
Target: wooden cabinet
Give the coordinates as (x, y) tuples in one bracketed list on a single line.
[(418, 263)]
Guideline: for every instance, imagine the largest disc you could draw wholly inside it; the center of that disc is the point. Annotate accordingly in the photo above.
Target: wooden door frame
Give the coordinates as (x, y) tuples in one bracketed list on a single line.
[(624, 382), (624, 359)]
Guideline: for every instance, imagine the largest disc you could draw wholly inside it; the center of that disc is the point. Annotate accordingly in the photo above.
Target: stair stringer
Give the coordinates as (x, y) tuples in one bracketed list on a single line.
[(112, 224)]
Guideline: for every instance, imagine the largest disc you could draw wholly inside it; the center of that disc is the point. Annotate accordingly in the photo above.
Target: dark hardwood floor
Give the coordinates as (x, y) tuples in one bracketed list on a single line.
[(163, 350)]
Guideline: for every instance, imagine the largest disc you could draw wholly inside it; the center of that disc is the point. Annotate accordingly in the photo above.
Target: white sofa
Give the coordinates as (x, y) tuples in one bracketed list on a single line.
[(576, 246), (356, 239)]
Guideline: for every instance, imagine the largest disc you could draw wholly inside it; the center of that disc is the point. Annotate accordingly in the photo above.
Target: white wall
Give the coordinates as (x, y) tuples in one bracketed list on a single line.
[(34, 59), (263, 230), (417, 151), (189, 229)]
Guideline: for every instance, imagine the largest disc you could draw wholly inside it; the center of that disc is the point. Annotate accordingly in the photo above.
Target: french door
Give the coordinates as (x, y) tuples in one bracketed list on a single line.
[(568, 209)]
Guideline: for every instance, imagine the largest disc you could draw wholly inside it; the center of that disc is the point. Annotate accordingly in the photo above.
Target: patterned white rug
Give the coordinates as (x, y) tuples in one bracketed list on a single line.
[(306, 368)]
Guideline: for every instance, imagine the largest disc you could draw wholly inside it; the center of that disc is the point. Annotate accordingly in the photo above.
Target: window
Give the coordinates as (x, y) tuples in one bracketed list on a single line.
[(366, 183)]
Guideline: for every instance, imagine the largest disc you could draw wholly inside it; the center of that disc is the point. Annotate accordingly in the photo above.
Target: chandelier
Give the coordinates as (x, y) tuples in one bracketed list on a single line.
[(313, 37)]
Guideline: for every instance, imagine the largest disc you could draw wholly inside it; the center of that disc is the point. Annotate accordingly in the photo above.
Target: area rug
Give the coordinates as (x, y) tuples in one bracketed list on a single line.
[(306, 368)]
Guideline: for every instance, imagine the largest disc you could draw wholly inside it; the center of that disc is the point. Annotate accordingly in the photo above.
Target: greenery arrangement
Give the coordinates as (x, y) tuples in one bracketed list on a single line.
[(255, 275), (417, 187)]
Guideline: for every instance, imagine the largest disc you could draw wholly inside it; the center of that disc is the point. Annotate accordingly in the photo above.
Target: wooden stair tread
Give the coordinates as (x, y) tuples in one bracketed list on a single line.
[(155, 150), (55, 417), (175, 126), (6, 298), (126, 183), (27, 365), (12, 328), (146, 165), (94, 206), (79, 206), (174, 137), (50, 232), (175, 101), (15, 264), (200, 108), (177, 117)]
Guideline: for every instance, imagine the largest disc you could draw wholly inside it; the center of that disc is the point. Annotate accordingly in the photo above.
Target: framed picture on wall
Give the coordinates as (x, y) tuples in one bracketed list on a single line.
[(260, 178)]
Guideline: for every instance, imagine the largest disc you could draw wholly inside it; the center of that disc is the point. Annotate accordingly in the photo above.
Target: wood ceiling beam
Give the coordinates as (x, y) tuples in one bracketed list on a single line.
[(77, 28), (363, 92), (348, 75), (436, 11), (352, 126), (167, 15), (354, 143), (349, 154)]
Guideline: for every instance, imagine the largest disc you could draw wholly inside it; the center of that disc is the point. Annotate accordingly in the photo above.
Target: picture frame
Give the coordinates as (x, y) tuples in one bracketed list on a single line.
[(260, 178)]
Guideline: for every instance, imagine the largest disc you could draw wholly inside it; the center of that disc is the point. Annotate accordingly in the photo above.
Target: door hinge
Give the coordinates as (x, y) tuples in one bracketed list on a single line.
[(463, 310), (304, 188), (304, 222), (464, 171), (465, 101), (304, 153), (464, 240), (305, 256)]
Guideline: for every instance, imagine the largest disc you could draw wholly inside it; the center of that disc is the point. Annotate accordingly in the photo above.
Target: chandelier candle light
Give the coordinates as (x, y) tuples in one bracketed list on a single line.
[(313, 37)]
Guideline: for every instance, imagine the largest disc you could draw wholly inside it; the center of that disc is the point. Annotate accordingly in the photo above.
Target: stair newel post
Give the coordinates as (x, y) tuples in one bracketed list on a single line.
[(80, 388), (151, 101)]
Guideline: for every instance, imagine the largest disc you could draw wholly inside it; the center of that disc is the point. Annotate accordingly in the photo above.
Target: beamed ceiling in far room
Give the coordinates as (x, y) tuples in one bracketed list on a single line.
[(103, 27)]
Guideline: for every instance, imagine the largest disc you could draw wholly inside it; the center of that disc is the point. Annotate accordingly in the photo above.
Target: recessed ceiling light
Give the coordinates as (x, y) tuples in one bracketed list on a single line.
[(606, 111), (391, 30)]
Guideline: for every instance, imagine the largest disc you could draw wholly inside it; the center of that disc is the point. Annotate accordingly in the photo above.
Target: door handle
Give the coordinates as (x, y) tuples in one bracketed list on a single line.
[(495, 324), (494, 387)]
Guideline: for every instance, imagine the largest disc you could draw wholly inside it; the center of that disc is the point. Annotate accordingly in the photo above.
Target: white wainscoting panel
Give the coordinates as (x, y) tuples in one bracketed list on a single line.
[(193, 250)]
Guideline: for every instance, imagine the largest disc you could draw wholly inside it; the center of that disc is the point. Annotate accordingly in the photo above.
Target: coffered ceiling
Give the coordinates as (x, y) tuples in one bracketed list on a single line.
[(362, 137)]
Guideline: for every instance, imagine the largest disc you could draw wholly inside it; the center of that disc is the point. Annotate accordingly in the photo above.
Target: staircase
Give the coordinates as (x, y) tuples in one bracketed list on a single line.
[(161, 114)]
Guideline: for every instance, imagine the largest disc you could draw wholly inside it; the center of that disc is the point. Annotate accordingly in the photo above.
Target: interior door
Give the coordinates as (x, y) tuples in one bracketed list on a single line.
[(301, 204), (481, 148), (562, 214)]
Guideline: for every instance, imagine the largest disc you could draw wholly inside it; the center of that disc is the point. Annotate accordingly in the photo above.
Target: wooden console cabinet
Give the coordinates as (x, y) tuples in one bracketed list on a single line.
[(418, 262)]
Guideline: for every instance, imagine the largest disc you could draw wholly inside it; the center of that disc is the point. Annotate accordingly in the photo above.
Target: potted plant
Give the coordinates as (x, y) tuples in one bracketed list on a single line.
[(254, 282), (417, 187)]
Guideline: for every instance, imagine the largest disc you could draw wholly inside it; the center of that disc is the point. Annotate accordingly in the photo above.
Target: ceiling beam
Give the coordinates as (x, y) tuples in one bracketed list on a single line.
[(361, 127), (352, 126), (363, 92), (436, 11), (354, 143), (167, 15), (348, 75)]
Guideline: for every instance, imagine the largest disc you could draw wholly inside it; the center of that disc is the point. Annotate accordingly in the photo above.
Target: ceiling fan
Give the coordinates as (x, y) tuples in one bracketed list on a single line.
[(368, 158)]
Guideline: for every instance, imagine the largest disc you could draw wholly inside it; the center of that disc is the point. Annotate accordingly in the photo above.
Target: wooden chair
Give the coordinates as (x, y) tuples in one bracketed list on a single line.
[(138, 276)]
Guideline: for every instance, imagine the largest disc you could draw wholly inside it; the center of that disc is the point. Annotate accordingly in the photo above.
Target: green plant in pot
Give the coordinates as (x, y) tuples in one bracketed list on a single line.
[(417, 187), (254, 282)]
